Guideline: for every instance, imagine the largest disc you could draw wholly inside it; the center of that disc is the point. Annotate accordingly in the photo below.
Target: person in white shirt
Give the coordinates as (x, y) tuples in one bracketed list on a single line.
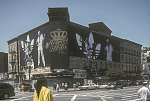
[(143, 92), (39, 43)]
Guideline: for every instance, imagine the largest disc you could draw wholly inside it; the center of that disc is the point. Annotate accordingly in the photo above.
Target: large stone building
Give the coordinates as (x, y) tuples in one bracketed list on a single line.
[(145, 53), (146, 58), (131, 58), (62, 45), (3, 65)]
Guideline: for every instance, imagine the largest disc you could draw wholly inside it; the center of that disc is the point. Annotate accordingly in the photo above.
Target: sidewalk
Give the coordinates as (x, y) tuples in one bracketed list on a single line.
[(60, 90)]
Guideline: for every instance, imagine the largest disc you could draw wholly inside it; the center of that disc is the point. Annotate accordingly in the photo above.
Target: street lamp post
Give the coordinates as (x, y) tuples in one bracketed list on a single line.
[(29, 63)]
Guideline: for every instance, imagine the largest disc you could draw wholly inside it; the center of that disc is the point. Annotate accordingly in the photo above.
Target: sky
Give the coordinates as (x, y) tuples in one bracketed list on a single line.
[(127, 19)]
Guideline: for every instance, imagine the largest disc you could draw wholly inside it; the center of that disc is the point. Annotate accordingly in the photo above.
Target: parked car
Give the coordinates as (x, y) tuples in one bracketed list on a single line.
[(139, 82), (6, 90), (88, 86), (135, 82), (103, 85), (125, 83), (114, 85)]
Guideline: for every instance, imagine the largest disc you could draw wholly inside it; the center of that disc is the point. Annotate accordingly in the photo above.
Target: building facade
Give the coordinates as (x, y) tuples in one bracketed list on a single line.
[(3, 65), (13, 60), (145, 53), (145, 58), (62, 45), (131, 58)]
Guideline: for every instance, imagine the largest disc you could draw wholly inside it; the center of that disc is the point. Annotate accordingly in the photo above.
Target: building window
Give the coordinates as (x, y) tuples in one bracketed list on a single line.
[(133, 69), (127, 59), (134, 52), (110, 65), (122, 67), (127, 68), (130, 59), (125, 49), (101, 65), (129, 51), (105, 65), (118, 66), (121, 58), (114, 65), (122, 48)]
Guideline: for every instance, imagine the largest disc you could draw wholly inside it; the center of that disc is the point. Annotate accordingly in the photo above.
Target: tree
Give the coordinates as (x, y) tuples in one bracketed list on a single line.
[(115, 74)]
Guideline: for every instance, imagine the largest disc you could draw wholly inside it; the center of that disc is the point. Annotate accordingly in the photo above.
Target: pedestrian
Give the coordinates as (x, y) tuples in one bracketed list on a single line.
[(22, 87), (42, 92), (54, 87), (57, 87), (74, 86), (143, 92), (66, 87), (63, 86)]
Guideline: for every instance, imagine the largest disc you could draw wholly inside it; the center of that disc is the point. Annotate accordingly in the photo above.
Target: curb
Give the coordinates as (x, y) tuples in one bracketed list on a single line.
[(69, 90)]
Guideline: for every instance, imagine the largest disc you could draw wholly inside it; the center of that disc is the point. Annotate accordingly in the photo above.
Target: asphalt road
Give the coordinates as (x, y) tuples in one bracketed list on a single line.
[(125, 94)]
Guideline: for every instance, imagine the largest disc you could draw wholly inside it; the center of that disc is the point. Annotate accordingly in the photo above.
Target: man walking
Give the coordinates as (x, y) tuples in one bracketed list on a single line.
[(143, 92)]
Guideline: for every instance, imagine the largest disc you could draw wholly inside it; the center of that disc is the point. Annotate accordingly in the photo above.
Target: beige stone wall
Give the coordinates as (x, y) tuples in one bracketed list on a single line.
[(12, 57), (130, 56)]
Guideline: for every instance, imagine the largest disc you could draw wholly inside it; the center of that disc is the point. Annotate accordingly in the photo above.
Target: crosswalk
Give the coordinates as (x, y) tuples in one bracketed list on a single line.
[(106, 95), (122, 95), (126, 94)]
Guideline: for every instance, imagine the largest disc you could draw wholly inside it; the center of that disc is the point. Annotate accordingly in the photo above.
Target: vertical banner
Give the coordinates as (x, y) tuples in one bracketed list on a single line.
[(57, 46), (32, 45)]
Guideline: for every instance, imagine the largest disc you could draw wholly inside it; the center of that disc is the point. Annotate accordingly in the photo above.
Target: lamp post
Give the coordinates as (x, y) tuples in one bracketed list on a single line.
[(29, 63)]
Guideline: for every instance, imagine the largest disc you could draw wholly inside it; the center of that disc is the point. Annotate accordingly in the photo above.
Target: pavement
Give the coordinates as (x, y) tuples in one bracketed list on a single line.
[(125, 94)]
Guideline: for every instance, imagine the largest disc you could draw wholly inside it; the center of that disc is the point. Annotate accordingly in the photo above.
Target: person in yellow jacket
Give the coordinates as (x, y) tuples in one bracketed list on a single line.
[(42, 93), (22, 88)]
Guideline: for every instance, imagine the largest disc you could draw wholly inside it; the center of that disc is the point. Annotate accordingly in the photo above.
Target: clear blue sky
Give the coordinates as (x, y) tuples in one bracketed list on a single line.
[(128, 19)]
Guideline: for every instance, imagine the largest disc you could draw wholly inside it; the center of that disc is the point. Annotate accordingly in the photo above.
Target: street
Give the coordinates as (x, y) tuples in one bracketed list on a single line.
[(125, 94)]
